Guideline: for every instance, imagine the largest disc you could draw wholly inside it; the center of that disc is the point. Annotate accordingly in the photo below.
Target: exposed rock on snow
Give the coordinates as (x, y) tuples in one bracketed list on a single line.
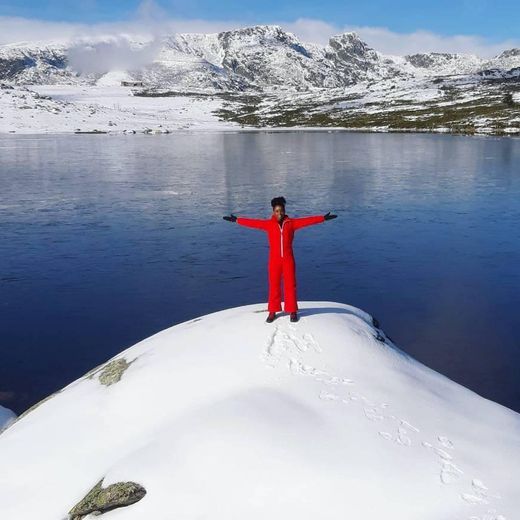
[(111, 372), (99, 500), (225, 416)]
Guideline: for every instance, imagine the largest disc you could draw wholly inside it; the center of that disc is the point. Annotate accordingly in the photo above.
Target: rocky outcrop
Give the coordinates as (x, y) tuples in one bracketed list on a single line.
[(110, 372), (99, 500)]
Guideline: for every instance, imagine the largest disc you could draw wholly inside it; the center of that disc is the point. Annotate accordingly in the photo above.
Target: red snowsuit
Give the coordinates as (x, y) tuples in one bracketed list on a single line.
[(281, 259)]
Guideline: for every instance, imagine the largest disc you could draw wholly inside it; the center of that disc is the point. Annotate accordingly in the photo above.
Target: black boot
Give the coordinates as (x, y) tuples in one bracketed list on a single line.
[(294, 316), (271, 317)]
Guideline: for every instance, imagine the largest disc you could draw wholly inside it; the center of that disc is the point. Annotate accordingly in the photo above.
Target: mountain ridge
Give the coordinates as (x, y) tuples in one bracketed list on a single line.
[(255, 58)]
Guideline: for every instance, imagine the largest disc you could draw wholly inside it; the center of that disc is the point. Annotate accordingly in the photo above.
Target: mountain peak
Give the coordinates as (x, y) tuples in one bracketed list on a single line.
[(265, 31), (509, 53)]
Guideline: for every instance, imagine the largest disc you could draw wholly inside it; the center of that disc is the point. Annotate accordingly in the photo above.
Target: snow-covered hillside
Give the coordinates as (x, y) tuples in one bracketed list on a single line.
[(69, 108), (228, 417)]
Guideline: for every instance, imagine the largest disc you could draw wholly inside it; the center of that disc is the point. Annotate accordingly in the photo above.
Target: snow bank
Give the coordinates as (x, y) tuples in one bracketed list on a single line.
[(227, 417), (6, 417), (69, 108)]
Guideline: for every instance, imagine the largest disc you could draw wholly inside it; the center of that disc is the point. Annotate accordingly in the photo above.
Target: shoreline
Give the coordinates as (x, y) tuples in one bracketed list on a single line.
[(265, 130)]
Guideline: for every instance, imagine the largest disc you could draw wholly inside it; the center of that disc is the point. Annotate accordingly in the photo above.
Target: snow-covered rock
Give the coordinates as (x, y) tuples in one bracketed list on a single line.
[(7, 417), (506, 60), (355, 61), (35, 64), (444, 64), (225, 416)]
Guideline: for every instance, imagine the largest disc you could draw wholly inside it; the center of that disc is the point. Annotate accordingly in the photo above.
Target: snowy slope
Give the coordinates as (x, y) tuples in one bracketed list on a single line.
[(103, 108), (6, 417), (227, 417)]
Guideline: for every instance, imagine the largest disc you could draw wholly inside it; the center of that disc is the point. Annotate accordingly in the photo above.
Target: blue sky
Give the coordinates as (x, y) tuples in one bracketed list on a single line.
[(483, 27), (498, 19)]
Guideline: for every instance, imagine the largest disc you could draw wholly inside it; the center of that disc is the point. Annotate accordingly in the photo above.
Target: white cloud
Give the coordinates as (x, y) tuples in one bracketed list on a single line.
[(150, 21), (390, 42), (114, 54)]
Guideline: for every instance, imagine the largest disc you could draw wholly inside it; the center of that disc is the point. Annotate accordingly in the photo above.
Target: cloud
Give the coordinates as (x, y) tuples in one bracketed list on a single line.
[(390, 42), (150, 22), (117, 53)]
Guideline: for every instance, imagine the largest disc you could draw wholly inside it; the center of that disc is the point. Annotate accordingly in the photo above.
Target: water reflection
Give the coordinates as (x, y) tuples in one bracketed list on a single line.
[(105, 240)]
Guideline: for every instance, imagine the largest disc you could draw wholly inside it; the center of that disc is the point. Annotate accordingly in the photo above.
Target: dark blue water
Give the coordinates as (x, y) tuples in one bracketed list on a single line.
[(106, 240)]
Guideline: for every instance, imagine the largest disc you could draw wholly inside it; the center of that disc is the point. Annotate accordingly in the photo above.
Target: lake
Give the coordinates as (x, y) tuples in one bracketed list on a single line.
[(105, 240)]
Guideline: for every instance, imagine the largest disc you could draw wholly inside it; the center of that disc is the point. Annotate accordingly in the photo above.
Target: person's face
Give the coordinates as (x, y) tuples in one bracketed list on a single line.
[(279, 212)]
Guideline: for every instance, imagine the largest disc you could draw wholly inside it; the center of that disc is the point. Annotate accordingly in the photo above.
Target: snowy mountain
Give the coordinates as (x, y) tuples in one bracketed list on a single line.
[(259, 57), (35, 64), (255, 77), (225, 416)]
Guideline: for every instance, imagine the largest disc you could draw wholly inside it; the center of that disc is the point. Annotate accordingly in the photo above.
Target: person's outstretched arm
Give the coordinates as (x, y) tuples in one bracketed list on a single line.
[(302, 222), (254, 223)]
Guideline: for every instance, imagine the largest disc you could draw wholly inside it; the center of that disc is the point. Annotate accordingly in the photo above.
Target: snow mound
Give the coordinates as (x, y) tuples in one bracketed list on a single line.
[(225, 416)]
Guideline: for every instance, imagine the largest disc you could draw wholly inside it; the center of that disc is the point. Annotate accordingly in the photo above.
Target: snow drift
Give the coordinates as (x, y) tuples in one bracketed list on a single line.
[(227, 417)]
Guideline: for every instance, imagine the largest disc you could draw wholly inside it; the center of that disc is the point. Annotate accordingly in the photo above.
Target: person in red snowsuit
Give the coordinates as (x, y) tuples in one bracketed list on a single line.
[(280, 230)]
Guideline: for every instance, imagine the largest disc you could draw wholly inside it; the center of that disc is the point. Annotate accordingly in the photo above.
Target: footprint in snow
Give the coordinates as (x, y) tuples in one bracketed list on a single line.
[(411, 427), (311, 342), (327, 396), (450, 473), (481, 489), (473, 499), (480, 495), (443, 454), (373, 414), (445, 442), (401, 438)]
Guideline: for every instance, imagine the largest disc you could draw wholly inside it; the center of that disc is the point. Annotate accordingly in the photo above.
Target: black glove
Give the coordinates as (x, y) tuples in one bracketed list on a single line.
[(328, 216), (230, 218)]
